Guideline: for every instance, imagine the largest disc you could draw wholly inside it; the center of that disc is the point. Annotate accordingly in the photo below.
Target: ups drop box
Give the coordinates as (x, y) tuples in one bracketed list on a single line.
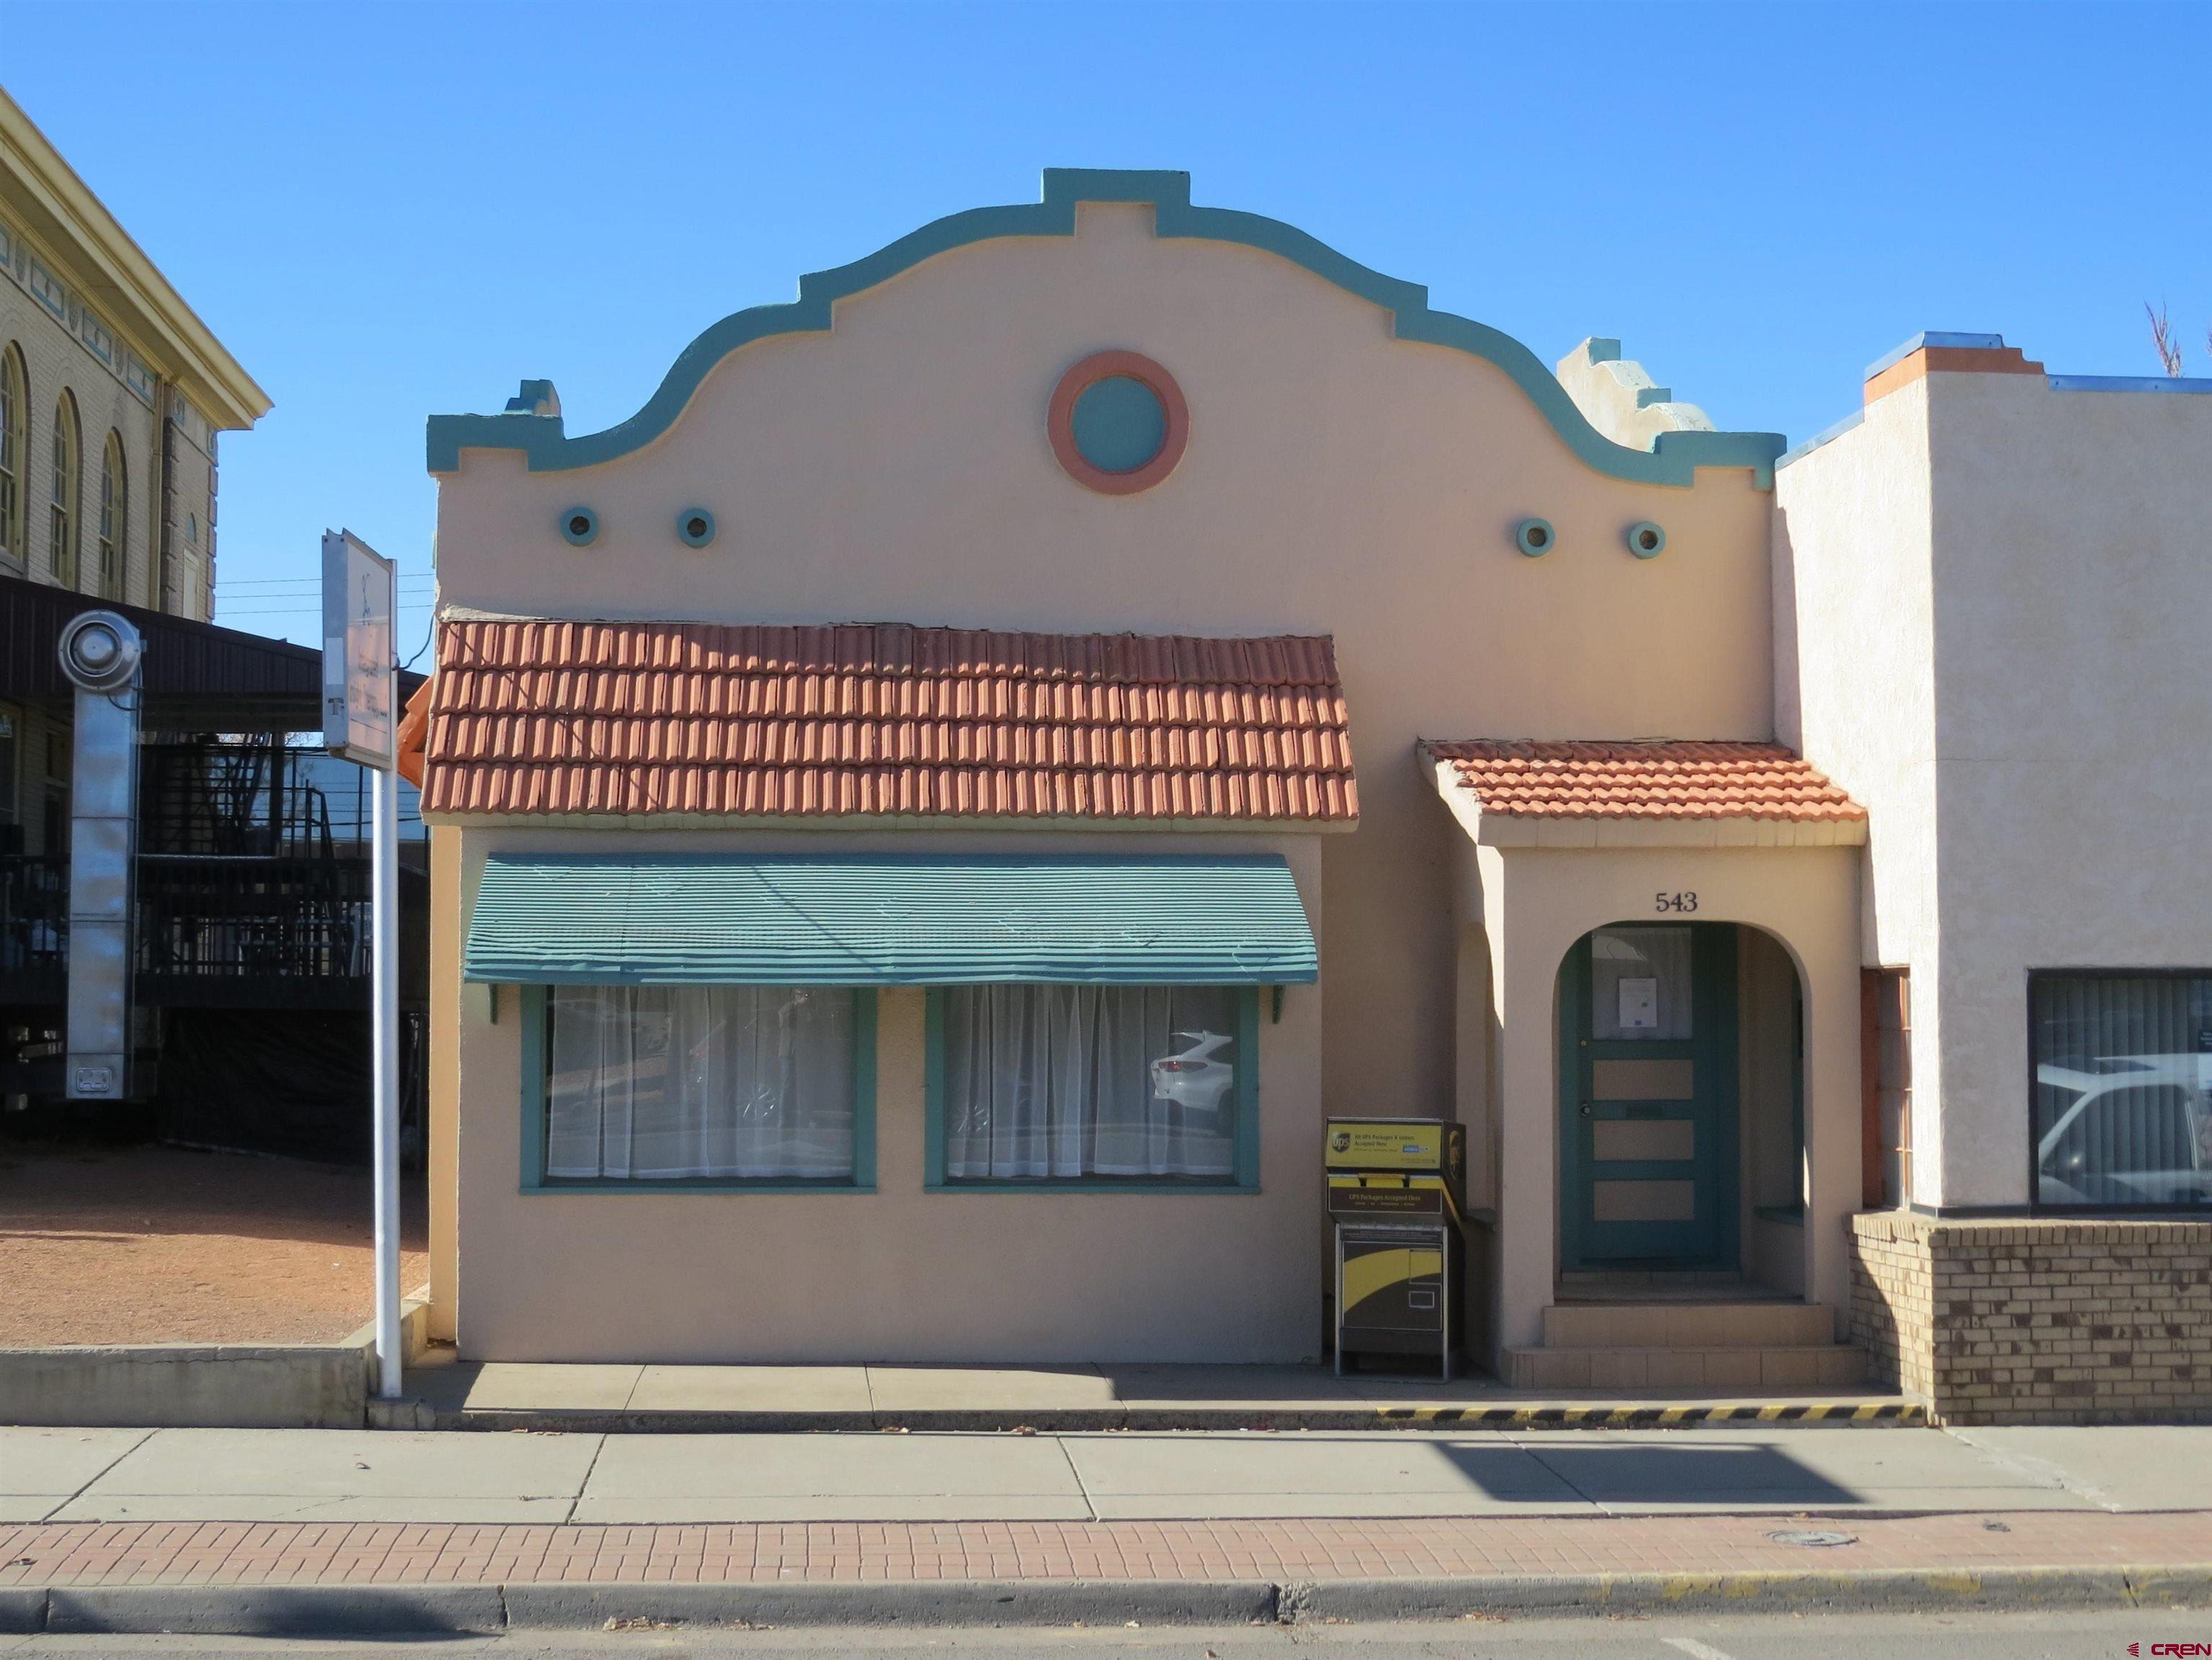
[(1384, 1168), (1396, 1289), (1396, 1186)]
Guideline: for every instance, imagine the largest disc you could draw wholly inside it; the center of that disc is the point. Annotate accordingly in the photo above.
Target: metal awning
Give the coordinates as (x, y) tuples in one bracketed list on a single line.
[(197, 678), (887, 920)]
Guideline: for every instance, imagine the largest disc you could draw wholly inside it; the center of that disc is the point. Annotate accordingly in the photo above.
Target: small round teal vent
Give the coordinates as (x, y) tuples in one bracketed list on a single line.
[(581, 527), (1535, 537), (1646, 540), (694, 528), (1119, 423)]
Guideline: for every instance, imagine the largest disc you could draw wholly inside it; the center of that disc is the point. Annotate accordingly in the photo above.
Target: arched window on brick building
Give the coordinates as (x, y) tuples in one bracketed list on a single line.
[(15, 450), (66, 496), (114, 518)]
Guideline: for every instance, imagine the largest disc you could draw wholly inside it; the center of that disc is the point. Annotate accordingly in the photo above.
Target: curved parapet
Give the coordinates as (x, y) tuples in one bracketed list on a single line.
[(534, 427)]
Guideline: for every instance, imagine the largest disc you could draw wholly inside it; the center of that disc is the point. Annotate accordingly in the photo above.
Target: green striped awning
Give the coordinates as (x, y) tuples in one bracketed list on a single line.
[(887, 920)]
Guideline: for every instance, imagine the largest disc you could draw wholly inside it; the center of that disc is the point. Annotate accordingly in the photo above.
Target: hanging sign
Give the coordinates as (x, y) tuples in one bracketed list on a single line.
[(360, 594)]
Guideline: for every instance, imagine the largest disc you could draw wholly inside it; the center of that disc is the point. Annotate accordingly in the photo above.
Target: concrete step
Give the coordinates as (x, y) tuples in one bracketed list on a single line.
[(1700, 1325), (1728, 1366)]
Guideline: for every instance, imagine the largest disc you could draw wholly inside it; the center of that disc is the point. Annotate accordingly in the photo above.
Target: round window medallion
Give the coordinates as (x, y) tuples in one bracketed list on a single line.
[(1118, 422), (1535, 537), (581, 527), (694, 528)]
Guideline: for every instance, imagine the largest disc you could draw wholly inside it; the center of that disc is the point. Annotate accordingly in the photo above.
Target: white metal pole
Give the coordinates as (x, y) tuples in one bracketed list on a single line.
[(384, 904)]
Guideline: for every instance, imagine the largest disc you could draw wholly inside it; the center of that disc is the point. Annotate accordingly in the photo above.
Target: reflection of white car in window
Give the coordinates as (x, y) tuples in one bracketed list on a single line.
[(1192, 1077), (2138, 1131)]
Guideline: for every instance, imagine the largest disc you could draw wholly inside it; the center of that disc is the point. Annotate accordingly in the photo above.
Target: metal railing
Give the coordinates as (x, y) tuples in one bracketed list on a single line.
[(203, 916), (33, 913), (293, 918)]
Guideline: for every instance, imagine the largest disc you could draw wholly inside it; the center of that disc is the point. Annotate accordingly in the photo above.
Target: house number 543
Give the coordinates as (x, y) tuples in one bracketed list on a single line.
[(1684, 902)]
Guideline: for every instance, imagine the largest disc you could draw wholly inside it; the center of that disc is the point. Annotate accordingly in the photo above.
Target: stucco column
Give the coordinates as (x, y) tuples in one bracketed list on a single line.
[(442, 1142), (1833, 1151), (1527, 1241)]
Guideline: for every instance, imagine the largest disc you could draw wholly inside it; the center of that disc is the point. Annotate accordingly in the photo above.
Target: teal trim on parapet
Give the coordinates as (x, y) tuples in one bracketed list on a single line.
[(1673, 460), (535, 397)]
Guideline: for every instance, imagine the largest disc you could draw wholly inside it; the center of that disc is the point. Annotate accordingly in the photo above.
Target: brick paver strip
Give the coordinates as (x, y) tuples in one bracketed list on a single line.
[(276, 1553)]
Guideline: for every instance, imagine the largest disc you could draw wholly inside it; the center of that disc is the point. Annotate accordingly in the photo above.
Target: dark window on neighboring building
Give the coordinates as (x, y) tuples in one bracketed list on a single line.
[(1886, 1085), (63, 511), (2123, 1089), (14, 452), (8, 843), (114, 519)]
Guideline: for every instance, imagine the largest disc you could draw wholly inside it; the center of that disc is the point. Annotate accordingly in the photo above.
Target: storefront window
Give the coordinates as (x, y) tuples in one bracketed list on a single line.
[(700, 1083), (2123, 1089), (1070, 1084)]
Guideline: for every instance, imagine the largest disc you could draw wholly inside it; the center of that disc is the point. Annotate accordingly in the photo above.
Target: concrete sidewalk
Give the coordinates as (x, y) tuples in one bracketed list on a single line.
[(444, 1393), (322, 1532), (287, 1578), (330, 1475)]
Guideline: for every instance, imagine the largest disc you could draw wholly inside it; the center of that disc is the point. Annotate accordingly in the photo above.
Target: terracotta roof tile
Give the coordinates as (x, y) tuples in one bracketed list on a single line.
[(622, 718), (1651, 780)]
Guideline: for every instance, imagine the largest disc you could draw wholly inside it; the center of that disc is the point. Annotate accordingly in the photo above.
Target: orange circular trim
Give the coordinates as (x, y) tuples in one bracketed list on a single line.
[(1059, 421)]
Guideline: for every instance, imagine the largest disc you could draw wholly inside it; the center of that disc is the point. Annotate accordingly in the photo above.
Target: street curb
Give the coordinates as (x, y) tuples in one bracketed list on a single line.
[(904, 1603), (22, 1608), (1859, 1413), (298, 1610), (274, 1610), (1897, 1590)]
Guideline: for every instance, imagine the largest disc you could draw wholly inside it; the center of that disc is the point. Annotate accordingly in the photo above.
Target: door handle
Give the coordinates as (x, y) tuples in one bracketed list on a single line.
[(1586, 1109)]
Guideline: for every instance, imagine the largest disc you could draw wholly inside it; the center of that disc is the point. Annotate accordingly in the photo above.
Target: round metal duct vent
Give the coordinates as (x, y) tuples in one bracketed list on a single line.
[(99, 651)]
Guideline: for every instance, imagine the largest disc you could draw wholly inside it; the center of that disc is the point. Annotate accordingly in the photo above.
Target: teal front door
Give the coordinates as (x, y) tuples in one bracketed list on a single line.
[(1647, 1099)]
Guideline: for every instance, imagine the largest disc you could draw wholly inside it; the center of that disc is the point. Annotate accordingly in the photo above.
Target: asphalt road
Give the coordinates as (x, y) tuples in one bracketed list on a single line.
[(1928, 1637)]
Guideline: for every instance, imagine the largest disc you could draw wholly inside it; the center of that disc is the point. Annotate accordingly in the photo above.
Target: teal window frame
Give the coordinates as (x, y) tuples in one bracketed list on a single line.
[(536, 1010), (1246, 1180)]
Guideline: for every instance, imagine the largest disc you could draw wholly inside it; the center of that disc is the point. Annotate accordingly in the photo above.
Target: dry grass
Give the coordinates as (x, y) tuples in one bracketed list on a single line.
[(165, 1244)]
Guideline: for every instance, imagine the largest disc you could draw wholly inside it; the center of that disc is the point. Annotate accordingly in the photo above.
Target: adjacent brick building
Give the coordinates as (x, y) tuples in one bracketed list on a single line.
[(113, 394)]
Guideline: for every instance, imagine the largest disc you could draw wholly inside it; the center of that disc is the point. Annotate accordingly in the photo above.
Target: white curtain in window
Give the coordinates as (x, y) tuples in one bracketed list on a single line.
[(1072, 1081), (673, 1081)]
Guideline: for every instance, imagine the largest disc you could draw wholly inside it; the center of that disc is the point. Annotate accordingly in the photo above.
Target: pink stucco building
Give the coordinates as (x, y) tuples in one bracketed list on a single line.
[(930, 813)]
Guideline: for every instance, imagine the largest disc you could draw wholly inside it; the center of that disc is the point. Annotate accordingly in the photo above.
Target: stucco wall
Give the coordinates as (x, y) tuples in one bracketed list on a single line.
[(1856, 691), (900, 1274), (1993, 594), (1611, 391), (2072, 591), (1336, 480)]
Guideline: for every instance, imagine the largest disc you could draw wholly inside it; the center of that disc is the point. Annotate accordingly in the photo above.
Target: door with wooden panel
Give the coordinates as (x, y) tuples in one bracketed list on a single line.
[(1648, 1075)]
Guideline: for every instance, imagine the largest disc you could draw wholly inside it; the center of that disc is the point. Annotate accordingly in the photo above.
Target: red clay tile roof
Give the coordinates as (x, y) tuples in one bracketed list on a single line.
[(1654, 780), (608, 718)]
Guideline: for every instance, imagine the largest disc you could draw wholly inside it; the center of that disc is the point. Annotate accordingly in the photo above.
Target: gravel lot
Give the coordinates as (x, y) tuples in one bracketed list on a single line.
[(151, 1244)]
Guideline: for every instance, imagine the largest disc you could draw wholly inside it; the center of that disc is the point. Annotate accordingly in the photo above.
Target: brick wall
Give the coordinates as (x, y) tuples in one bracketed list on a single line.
[(56, 359), (2036, 1321)]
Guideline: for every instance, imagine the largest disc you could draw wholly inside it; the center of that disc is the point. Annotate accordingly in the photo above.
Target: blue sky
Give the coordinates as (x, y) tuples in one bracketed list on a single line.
[(389, 211)]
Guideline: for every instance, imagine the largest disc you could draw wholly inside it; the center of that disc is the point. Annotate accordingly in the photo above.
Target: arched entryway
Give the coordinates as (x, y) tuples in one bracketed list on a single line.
[(1680, 1105)]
